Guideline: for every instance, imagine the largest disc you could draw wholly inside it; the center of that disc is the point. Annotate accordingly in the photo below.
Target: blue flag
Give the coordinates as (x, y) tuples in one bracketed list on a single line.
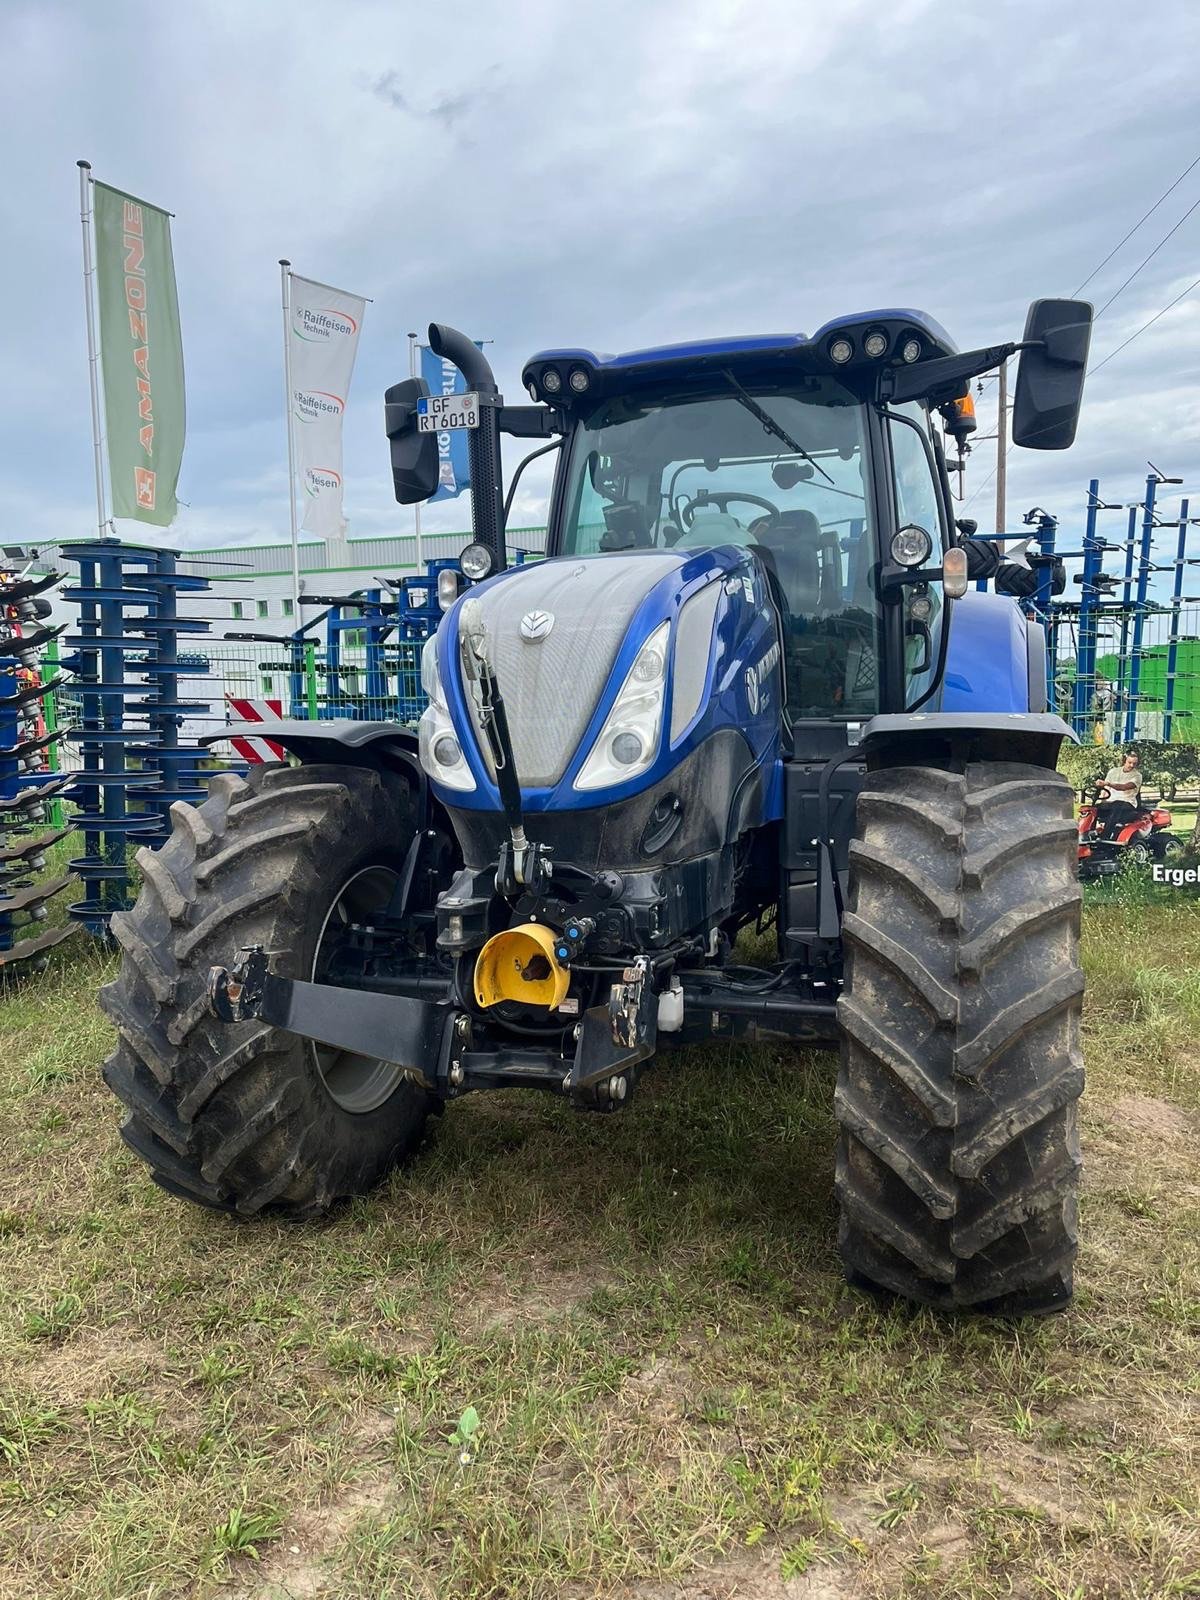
[(454, 472)]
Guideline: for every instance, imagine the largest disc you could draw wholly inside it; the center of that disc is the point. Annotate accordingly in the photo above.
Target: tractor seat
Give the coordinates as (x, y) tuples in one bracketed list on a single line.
[(792, 541), (711, 528)]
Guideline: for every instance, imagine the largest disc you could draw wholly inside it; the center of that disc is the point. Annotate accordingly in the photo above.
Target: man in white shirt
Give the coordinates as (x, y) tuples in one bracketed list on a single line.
[(1120, 789)]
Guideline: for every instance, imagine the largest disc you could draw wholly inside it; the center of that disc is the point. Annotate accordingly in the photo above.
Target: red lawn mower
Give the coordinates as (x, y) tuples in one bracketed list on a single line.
[(1142, 838)]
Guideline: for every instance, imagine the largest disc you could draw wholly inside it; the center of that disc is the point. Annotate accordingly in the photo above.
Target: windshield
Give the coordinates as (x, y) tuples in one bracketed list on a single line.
[(780, 473)]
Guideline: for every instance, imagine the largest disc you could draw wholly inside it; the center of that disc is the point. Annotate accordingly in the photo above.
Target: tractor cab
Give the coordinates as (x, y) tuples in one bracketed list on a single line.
[(700, 468), (822, 458)]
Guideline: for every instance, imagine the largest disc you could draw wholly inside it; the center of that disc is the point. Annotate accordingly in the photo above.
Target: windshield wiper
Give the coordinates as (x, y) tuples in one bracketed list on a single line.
[(769, 423)]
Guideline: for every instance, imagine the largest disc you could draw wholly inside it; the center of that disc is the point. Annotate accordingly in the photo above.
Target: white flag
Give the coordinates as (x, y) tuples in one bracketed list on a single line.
[(323, 341)]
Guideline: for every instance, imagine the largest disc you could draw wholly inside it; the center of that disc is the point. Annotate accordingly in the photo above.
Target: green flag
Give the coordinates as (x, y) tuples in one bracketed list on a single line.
[(141, 355)]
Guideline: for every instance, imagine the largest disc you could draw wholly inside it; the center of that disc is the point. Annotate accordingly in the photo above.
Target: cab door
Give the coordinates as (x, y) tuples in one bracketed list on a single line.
[(917, 502)]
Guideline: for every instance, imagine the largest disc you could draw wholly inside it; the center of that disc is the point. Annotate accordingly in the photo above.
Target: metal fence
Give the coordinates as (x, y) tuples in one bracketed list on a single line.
[(1151, 691), (355, 680)]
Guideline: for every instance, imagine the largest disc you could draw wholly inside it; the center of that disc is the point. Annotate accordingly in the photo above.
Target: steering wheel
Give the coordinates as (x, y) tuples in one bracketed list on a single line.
[(721, 498)]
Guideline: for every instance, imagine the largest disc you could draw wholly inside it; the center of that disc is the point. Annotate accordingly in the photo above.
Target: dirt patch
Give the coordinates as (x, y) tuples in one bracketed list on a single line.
[(1156, 1120), (661, 1392), (551, 1295), (93, 1364), (751, 1576), (874, 1563), (297, 1566)]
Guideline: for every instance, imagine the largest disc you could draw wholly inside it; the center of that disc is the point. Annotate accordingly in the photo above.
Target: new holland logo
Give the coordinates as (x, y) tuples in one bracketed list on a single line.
[(536, 624)]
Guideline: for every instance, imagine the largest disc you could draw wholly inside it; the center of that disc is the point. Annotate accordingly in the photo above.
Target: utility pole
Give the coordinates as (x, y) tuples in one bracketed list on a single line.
[(1002, 450)]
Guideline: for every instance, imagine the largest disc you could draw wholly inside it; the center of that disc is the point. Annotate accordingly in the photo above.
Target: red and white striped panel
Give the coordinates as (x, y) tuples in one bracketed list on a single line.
[(256, 750)]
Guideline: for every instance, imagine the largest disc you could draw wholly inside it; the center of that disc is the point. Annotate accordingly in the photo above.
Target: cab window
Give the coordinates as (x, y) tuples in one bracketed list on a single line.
[(777, 471)]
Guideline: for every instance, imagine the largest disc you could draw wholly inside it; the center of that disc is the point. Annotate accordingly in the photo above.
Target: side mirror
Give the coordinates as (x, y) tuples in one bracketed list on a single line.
[(414, 455), (1050, 374)]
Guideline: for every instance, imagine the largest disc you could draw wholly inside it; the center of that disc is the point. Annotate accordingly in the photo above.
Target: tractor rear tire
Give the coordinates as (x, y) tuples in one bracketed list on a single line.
[(958, 1163), (243, 1118)]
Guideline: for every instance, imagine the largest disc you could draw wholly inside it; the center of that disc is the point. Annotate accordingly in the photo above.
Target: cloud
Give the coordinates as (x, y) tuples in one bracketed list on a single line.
[(611, 176), (385, 86), (448, 109)]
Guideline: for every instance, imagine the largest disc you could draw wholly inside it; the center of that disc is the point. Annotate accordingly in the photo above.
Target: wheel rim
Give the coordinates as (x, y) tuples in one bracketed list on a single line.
[(358, 1083)]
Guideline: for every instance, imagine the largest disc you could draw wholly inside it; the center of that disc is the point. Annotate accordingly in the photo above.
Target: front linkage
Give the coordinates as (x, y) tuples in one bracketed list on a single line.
[(435, 1040)]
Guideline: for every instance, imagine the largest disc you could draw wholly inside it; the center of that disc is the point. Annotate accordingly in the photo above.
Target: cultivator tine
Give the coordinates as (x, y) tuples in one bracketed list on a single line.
[(34, 846), (31, 949), (30, 643), (28, 695), (24, 589), (33, 783), (30, 898)]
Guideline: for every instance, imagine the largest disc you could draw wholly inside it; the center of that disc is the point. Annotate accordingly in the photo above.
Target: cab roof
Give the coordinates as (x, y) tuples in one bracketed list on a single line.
[(744, 351)]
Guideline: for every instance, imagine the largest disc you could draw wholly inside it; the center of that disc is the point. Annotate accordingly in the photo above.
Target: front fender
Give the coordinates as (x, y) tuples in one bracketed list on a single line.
[(381, 746), (923, 737)]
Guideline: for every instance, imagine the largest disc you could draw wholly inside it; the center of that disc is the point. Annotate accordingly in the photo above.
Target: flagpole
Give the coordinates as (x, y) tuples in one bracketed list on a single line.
[(85, 222), (412, 372), (286, 290)]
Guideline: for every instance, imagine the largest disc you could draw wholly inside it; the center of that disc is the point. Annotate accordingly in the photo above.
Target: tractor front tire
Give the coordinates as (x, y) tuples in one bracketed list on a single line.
[(958, 1162), (249, 1118)]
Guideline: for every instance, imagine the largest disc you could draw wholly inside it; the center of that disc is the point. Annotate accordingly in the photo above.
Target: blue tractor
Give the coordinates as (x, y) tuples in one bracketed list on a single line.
[(751, 687)]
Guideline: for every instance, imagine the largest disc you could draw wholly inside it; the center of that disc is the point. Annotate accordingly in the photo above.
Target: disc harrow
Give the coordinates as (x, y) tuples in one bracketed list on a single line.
[(30, 783)]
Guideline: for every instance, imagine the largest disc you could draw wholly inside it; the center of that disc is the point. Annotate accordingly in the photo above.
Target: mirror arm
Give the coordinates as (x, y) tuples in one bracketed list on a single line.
[(943, 379), (531, 422), (893, 579)]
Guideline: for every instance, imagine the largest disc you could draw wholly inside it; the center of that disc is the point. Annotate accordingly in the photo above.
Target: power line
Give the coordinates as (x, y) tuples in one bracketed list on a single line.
[(1182, 295), (1146, 215), (1193, 207), (1149, 258), (1136, 226)]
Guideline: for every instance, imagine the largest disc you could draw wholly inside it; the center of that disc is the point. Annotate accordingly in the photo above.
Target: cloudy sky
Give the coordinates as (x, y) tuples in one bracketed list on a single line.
[(547, 173)]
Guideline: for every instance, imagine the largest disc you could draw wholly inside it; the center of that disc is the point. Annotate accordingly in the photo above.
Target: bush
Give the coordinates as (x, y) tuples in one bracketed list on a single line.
[(1165, 767)]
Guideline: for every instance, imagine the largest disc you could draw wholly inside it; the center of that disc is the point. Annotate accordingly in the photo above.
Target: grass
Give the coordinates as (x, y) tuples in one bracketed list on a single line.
[(566, 1356)]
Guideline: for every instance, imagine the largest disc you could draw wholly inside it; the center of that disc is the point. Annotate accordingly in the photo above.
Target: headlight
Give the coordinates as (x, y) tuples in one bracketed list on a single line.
[(910, 350), (912, 546), (440, 752), (447, 588), (476, 561), (875, 343), (841, 350), (628, 742), (551, 380), (579, 380), (438, 747), (431, 678)]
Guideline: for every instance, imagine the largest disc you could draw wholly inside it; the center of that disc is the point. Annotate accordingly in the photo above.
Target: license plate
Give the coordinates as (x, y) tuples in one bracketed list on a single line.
[(439, 413)]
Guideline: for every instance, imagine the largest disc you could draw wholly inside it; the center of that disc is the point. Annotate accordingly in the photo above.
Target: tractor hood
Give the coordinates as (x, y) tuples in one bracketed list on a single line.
[(555, 629), (612, 669)]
